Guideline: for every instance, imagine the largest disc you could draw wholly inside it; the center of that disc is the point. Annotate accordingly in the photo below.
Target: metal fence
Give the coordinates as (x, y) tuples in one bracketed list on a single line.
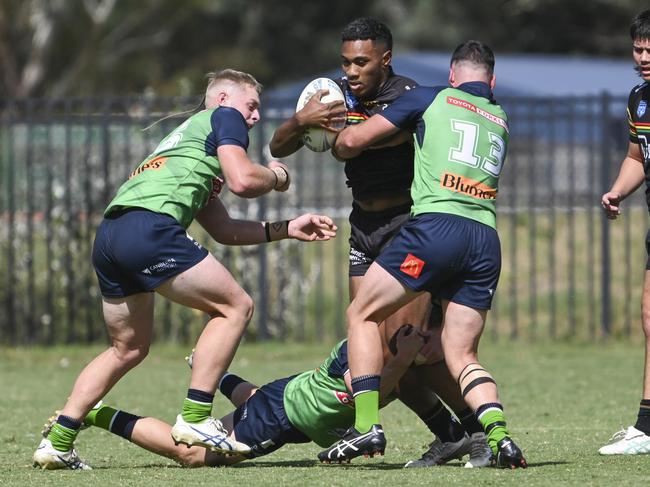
[(567, 272)]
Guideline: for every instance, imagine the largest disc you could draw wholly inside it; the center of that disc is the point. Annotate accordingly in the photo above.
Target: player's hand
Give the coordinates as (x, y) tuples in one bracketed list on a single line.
[(329, 116), (282, 173), (431, 351), (309, 227), (611, 204), (409, 342)]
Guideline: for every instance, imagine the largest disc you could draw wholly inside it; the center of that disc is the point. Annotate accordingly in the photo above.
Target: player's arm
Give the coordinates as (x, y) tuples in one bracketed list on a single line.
[(287, 137), (354, 139), (247, 179), (630, 177), (229, 231)]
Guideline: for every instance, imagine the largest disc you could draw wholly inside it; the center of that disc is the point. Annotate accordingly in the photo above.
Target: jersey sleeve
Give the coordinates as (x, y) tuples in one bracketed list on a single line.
[(406, 110), (634, 137), (228, 128), (339, 366)]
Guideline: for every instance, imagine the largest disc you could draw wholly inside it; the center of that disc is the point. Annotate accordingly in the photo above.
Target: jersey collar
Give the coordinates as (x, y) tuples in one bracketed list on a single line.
[(477, 88)]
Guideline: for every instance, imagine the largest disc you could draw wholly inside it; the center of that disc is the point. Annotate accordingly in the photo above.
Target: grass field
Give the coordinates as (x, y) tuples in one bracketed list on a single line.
[(562, 401)]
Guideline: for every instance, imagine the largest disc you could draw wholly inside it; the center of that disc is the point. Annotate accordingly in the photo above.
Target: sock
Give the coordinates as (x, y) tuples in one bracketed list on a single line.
[(468, 419), (365, 390), (197, 406), (63, 433), (643, 420), (441, 424), (494, 423), (228, 383), (114, 420)]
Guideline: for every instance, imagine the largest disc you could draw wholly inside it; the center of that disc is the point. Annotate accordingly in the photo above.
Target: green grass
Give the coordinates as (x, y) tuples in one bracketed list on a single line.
[(562, 402)]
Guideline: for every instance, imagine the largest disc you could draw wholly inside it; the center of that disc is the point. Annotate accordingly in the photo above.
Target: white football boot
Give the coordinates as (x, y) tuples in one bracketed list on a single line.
[(627, 442), (48, 458), (209, 434), (440, 453)]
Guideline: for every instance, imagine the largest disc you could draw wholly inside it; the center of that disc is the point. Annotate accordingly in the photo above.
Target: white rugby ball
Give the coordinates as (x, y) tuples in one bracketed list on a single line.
[(316, 138)]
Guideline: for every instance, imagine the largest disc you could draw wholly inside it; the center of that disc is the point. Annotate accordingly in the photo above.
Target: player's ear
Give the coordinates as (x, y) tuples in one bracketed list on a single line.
[(493, 81), (452, 76), (386, 58)]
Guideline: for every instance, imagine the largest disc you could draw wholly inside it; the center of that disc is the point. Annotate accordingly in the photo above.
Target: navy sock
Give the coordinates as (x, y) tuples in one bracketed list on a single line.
[(440, 423), (643, 420), (470, 423)]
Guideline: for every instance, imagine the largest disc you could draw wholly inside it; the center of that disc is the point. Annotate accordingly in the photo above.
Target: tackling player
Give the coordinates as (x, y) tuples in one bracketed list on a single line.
[(635, 168), (315, 405), (142, 246), (449, 247), (380, 179)]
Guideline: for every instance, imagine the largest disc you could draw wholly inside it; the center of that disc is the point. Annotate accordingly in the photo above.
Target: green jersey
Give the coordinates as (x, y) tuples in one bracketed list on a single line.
[(318, 402), (461, 138), (183, 172)]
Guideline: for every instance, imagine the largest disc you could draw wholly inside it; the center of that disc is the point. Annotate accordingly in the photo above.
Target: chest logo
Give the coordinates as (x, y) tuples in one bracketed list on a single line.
[(640, 110)]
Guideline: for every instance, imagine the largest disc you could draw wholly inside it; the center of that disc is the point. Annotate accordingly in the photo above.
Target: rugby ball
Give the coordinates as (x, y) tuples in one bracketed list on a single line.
[(315, 138)]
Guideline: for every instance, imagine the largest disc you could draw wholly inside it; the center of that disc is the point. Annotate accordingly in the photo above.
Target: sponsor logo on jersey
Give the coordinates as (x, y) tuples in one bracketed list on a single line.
[(412, 266), (344, 398), (155, 163), (467, 186), (640, 110), (473, 108)]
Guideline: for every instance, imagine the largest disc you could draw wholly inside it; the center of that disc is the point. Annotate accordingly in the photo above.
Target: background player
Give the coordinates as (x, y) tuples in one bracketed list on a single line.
[(634, 169), (450, 247), (380, 179), (142, 246)]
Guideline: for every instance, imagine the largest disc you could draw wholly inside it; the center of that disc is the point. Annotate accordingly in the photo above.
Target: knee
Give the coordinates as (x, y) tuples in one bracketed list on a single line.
[(190, 457), (131, 356), (245, 307)]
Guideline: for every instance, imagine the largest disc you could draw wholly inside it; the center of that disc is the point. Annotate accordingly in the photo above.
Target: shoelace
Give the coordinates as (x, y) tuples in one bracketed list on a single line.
[(619, 435), (218, 425), (477, 447), (435, 449)]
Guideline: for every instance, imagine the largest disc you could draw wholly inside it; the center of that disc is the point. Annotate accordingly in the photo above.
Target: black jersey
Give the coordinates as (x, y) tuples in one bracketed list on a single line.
[(638, 116), (378, 172)]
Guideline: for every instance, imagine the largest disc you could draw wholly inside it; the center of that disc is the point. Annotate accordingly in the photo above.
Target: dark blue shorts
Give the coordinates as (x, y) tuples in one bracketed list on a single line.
[(262, 423), (137, 250), (371, 232), (450, 256)]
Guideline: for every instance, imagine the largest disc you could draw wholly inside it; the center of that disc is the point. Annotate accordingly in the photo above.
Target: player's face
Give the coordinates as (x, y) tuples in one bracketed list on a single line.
[(641, 54), (246, 100), (365, 63)]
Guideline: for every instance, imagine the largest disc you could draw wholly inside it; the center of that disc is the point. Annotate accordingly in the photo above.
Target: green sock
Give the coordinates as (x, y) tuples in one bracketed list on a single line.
[(195, 412), (366, 405), (62, 437), (496, 431), (100, 417)]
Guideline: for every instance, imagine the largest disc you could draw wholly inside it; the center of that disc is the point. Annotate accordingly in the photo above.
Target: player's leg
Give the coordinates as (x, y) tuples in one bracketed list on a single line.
[(129, 322), (210, 288), (635, 439), (461, 333), (379, 296)]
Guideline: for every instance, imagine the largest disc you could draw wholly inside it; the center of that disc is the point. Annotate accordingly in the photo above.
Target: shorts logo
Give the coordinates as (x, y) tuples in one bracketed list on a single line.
[(160, 267), (470, 187), (344, 398), (640, 110), (412, 266)]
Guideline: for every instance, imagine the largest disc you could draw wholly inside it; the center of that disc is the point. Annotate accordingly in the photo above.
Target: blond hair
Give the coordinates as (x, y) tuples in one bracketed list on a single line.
[(233, 76)]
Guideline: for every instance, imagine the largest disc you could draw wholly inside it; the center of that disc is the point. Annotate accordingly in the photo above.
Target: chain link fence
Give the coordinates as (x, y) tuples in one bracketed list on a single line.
[(567, 272)]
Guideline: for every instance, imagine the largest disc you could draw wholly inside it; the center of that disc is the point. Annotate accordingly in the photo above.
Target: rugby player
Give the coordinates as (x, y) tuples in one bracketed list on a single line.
[(380, 180), (635, 168), (449, 247)]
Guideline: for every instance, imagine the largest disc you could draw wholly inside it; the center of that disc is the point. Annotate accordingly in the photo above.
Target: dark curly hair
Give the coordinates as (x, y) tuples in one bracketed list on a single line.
[(365, 28)]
